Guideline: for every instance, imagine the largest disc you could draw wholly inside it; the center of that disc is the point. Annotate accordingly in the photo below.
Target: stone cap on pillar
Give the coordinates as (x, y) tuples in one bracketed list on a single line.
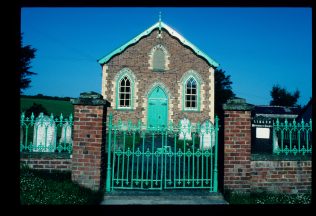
[(237, 104), (90, 98)]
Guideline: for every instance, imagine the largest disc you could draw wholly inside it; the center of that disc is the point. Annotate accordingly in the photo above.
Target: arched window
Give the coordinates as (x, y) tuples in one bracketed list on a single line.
[(191, 82), (124, 97), (159, 60), (191, 95), (125, 92)]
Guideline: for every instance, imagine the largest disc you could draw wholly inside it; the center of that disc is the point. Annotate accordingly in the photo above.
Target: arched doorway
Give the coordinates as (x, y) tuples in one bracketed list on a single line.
[(157, 108)]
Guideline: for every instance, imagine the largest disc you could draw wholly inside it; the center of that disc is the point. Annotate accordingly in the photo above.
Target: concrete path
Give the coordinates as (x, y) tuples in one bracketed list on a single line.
[(165, 197)]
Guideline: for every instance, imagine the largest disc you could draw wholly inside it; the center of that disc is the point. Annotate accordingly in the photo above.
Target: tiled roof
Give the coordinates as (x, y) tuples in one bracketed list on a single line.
[(280, 110)]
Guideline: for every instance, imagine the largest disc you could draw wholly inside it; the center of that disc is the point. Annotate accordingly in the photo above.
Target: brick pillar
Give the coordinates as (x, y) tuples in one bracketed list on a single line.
[(237, 145), (89, 140)]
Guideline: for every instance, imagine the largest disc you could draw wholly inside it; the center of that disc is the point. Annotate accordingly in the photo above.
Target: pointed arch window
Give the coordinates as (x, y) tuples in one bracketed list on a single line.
[(191, 94), (125, 92), (125, 81), (191, 82)]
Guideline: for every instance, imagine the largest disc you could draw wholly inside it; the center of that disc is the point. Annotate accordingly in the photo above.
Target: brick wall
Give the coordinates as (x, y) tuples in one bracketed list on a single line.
[(269, 173), (281, 176), (237, 150), (46, 161)]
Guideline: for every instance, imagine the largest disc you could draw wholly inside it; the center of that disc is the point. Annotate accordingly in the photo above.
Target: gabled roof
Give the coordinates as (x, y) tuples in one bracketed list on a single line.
[(171, 31)]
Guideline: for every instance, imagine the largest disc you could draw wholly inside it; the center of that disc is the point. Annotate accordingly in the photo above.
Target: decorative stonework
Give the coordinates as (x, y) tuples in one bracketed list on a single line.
[(202, 97), (152, 51), (135, 96), (113, 96), (212, 94), (192, 73), (144, 110), (180, 90), (160, 84), (104, 81)]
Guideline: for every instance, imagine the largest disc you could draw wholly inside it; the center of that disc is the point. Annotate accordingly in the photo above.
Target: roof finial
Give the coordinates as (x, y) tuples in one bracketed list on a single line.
[(159, 21), (159, 26), (159, 16)]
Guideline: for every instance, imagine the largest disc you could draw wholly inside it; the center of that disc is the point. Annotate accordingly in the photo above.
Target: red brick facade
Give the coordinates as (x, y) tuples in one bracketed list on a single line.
[(237, 150), (87, 144), (182, 59)]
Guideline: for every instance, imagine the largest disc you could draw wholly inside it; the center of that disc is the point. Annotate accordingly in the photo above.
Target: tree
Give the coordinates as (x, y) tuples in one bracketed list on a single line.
[(36, 109), (26, 54), (282, 97), (223, 90)]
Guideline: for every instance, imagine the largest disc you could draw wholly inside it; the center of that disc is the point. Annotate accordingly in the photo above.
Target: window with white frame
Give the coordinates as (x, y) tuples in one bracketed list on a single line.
[(191, 94), (125, 93)]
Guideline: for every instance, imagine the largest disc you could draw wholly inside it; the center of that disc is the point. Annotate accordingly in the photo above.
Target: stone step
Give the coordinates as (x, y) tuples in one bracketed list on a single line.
[(163, 198)]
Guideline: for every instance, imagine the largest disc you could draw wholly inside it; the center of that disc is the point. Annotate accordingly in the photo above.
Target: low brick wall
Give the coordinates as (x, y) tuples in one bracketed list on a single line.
[(281, 176), (46, 161)]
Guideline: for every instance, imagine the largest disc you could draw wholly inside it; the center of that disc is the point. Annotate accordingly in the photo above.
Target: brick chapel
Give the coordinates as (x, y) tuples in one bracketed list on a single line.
[(159, 77)]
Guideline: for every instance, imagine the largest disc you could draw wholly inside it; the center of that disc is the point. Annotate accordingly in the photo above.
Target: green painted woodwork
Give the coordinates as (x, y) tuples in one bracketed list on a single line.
[(292, 137), (27, 131), (171, 31), (157, 108), (158, 159)]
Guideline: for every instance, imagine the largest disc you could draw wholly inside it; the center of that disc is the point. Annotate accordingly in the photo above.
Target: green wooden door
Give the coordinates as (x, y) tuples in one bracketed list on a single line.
[(157, 108)]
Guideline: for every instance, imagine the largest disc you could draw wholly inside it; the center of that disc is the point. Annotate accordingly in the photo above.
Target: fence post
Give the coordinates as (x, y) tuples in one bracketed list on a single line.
[(237, 145), (87, 163), (216, 153), (108, 174)]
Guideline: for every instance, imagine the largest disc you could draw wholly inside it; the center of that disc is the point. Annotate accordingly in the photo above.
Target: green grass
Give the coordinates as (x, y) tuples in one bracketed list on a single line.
[(267, 198), (43, 188), (53, 106)]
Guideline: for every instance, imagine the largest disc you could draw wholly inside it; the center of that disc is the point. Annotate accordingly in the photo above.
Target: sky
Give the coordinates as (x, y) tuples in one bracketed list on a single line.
[(258, 47)]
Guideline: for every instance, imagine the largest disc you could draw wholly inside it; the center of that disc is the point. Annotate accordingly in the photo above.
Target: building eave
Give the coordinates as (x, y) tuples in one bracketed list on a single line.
[(171, 31)]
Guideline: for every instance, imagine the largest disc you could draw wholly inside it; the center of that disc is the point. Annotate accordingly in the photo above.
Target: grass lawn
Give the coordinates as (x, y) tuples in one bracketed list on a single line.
[(43, 188), (53, 106), (268, 198)]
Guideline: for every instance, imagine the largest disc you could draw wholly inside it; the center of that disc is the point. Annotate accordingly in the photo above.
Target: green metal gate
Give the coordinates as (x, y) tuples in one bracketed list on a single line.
[(156, 158)]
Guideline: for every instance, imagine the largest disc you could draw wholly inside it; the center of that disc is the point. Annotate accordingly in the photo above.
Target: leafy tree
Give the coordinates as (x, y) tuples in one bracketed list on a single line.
[(36, 109), (223, 90), (282, 97), (26, 54)]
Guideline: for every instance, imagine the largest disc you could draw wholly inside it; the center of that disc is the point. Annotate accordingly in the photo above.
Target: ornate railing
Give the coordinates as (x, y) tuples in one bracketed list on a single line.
[(176, 156), (46, 133), (292, 137)]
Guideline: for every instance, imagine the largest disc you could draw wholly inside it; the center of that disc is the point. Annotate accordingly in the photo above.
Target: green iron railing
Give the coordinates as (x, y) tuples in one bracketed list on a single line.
[(46, 134), (292, 137), (156, 158)]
